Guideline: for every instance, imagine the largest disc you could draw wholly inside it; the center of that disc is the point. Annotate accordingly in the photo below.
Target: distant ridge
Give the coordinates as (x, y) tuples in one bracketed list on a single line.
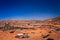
[(55, 20)]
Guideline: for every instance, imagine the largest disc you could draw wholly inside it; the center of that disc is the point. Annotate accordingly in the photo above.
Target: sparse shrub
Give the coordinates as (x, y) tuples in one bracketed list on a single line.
[(6, 27)]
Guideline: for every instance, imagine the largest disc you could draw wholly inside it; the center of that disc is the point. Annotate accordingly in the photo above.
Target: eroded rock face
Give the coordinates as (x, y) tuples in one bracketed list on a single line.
[(50, 39), (46, 36), (22, 35)]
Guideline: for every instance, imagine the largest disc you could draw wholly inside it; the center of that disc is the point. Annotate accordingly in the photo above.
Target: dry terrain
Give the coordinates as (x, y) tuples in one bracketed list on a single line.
[(48, 29)]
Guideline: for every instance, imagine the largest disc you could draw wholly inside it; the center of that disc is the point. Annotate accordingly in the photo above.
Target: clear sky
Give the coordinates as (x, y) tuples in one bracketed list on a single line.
[(29, 9)]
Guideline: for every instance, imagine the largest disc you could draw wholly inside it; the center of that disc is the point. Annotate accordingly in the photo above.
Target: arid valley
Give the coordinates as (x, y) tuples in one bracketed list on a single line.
[(48, 29)]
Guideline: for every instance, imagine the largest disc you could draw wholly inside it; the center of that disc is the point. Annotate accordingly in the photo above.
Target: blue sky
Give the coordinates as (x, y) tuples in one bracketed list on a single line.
[(29, 9)]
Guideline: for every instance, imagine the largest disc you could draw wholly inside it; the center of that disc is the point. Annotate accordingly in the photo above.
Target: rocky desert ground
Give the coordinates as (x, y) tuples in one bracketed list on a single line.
[(48, 29)]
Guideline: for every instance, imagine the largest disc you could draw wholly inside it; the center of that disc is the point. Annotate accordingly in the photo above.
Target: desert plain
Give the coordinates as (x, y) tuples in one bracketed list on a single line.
[(48, 29)]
